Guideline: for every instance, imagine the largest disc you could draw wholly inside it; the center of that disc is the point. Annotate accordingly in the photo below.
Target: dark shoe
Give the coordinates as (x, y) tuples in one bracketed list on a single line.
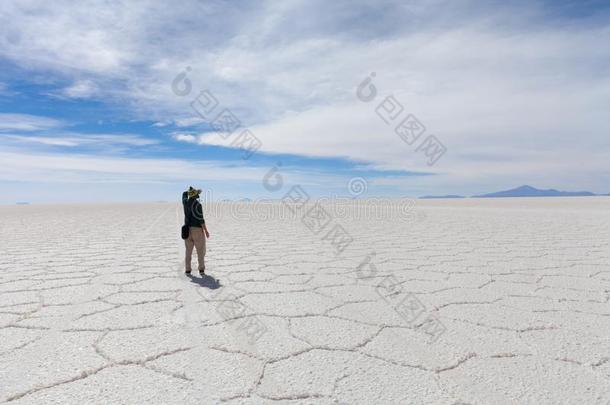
[(187, 272), (202, 271)]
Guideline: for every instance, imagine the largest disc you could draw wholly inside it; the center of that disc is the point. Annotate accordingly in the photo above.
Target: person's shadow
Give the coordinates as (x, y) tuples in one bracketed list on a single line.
[(205, 281)]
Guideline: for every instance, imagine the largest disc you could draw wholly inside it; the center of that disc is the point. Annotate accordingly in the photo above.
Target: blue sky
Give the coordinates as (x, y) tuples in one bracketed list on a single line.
[(517, 93)]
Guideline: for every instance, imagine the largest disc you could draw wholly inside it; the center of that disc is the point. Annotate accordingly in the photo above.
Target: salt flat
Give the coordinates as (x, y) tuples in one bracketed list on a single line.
[(447, 302)]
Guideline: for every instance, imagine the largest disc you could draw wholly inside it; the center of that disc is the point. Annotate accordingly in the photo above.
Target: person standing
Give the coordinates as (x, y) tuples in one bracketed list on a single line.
[(198, 232)]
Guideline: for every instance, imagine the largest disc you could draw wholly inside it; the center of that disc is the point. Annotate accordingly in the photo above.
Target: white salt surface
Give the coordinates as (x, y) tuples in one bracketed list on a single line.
[(95, 308)]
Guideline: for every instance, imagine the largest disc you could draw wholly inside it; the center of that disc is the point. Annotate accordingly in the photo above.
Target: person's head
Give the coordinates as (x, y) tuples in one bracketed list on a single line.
[(193, 192)]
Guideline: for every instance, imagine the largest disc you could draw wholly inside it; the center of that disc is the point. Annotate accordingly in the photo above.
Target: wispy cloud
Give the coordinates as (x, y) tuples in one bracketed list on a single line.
[(4, 90), (44, 140), (185, 122), (26, 122), (186, 138), (73, 140), (80, 89), (86, 168), (24, 129), (224, 178)]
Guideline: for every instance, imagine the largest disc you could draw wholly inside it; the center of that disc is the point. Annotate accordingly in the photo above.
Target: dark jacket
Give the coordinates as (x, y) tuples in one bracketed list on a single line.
[(193, 212)]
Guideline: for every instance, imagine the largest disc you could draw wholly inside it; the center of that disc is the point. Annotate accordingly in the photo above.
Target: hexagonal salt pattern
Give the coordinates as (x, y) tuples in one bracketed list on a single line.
[(97, 309)]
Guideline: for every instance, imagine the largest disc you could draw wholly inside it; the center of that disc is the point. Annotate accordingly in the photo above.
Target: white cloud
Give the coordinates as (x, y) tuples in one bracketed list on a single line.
[(185, 138), (73, 139), (181, 122), (5, 91), (34, 129), (231, 178), (80, 89), (83, 168), (189, 122), (26, 122), (53, 141)]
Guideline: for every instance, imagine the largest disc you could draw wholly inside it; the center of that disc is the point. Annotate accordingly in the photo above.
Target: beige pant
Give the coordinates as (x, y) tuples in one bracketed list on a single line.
[(196, 239)]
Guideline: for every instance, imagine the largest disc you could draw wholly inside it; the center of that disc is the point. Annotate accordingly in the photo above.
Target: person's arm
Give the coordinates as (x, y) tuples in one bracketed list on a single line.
[(205, 228), (184, 200)]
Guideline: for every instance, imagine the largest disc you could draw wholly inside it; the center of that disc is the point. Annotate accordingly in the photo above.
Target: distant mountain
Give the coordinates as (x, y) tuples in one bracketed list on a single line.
[(428, 197), (529, 191), (523, 191)]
